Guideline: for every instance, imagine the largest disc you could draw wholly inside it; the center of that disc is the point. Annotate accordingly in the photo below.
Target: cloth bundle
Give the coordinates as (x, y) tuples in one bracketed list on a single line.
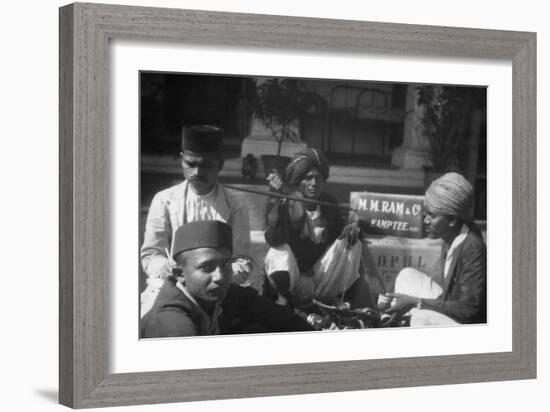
[(337, 270)]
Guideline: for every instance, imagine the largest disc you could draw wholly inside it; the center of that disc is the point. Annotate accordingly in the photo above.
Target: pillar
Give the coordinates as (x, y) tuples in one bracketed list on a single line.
[(414, 152)]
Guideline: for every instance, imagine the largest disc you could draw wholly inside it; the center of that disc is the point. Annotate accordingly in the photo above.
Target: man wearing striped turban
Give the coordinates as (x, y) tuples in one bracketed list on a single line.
[(313, 227), (461, 294), (299, 234)]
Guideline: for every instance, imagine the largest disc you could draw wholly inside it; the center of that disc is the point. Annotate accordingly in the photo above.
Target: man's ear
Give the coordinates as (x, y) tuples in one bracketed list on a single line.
[(180, 278), (177, 271), (221, 161), (453, 221)]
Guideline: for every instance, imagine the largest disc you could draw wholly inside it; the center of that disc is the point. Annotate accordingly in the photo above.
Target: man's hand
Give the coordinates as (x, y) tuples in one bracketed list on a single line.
[(384, 301), (401, 303), (351, 233), (275, 181), (242, 268), (164, 271)]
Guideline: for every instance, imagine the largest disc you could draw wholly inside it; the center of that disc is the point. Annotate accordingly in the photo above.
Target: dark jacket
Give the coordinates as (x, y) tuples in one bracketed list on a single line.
[(244, 311), (305, 250), (465, 289)]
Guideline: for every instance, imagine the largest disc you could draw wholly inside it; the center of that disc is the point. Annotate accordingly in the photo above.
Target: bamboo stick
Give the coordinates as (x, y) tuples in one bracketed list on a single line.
[(289, 197)]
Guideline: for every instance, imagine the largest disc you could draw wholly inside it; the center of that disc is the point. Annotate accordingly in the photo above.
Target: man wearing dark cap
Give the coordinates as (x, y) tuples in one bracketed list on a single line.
[(460, 295), (199, 197), (199, 298)]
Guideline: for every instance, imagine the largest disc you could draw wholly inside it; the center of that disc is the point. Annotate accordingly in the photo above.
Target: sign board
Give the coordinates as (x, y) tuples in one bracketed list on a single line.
[(389, 214), (385, 256)]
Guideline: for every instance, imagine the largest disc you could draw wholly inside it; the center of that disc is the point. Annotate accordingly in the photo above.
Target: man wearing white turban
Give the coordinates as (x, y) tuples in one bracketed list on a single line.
[(461, 295)]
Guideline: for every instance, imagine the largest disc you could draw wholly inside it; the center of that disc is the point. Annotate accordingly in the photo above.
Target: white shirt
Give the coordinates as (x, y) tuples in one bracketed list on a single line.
[(313, 227), (211, 206), (452, 250), (178, 205)]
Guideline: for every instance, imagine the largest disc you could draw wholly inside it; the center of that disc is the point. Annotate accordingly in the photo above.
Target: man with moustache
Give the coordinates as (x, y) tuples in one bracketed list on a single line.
[(460, 296), (199, 298), (199, 197), (313, 228), (300, 233)]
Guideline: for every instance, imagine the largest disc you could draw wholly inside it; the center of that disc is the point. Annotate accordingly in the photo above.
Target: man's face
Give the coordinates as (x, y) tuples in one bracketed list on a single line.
[(201, 170), (312, 184), (207, 273), (436, 226)]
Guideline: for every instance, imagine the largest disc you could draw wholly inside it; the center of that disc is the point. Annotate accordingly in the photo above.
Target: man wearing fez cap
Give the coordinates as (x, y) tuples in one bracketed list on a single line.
[(199, 197), (200, 299), (460, 295)]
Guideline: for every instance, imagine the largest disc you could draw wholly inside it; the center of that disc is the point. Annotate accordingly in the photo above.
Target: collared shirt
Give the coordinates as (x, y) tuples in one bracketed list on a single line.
[(210, 206), (209, 324), (452, 250)]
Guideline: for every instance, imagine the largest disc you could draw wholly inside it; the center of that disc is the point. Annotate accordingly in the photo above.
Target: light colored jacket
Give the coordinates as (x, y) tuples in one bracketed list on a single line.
[(166, 215)]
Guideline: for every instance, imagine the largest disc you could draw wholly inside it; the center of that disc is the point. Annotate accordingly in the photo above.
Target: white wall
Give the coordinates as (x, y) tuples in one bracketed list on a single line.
[(28, 359)]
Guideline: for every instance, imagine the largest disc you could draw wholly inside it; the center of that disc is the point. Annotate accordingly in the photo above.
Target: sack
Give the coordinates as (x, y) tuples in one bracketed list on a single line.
[(337, 269)]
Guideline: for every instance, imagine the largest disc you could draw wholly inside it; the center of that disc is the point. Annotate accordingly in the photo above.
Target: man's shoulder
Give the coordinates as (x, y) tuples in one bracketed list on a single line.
[(235, 201), (475, 239), (325, 197), (169, 322), (331, 213), (474, 246), (170, 298), (172, 192), (171, 314), (169, 292)]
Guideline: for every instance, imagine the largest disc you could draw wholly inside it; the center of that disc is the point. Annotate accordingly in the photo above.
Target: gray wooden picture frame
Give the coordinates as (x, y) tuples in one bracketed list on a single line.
[(85, 31)]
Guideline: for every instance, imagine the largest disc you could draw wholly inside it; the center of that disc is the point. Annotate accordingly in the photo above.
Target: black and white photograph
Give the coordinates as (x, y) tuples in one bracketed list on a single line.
[(279, 204), (275, 205)]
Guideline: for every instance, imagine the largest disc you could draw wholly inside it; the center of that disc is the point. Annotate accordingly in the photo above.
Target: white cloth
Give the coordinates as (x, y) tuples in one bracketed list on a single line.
[(148, 296), (332, 275), (281, 258), (452, 250), (337, 269), (412, 282), (426, 317), (415, 283)]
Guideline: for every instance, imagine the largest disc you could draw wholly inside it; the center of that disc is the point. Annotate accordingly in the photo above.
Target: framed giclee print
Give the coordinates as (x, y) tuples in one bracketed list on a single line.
[(358, 109)]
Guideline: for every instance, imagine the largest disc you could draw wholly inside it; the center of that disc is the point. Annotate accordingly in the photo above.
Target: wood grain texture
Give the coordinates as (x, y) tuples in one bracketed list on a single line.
[(85, 30), (524, 166), (66, 229)]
